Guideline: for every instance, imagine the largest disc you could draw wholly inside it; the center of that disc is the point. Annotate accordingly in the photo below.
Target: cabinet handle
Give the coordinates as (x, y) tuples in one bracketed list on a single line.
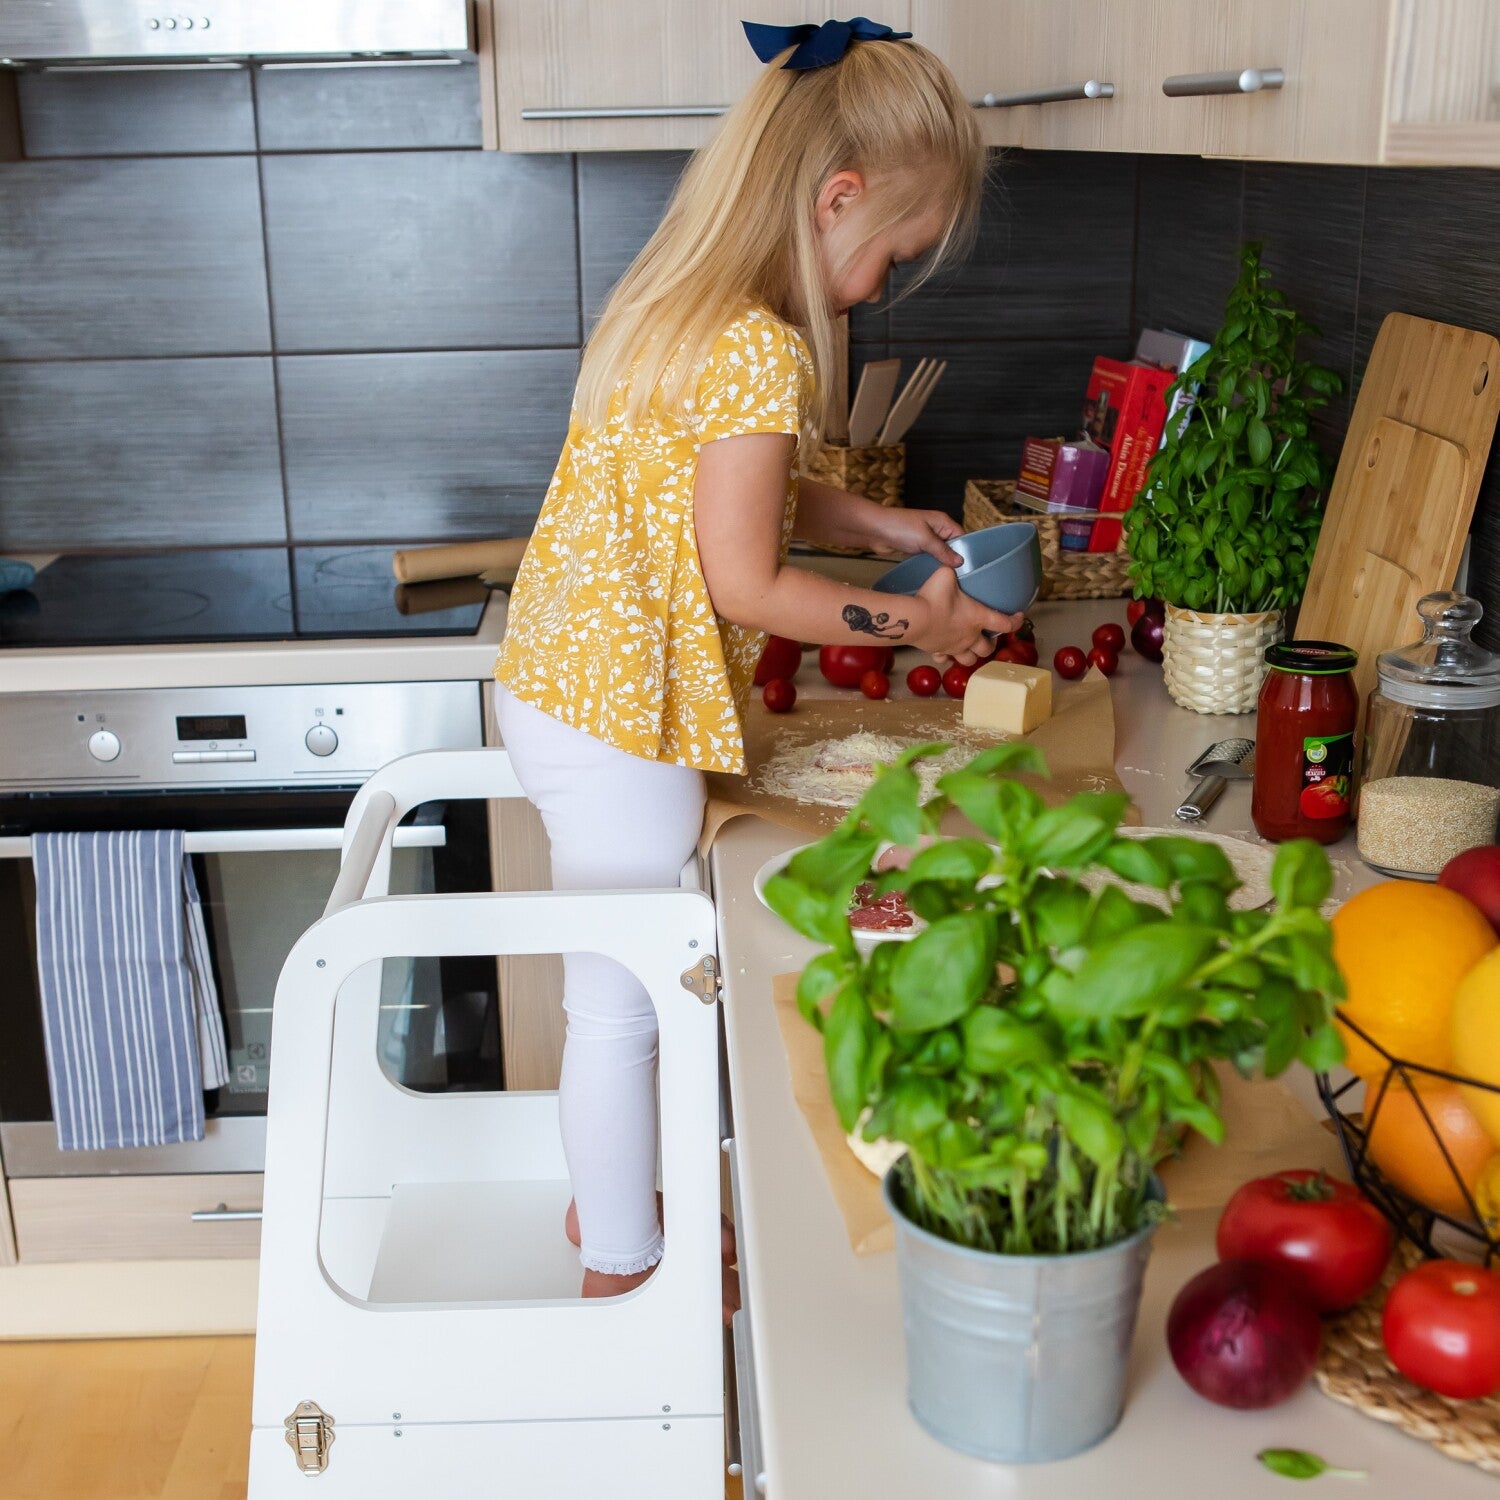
[(1093, 89), (1251, 81), (222, 1214), (629, 112)]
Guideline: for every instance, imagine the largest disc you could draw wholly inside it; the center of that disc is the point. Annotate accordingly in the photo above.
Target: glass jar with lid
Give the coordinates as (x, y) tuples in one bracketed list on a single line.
[(1430, 762)]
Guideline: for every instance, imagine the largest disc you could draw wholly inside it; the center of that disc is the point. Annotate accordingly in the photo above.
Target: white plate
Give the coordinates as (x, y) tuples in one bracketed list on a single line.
[(864, 939)]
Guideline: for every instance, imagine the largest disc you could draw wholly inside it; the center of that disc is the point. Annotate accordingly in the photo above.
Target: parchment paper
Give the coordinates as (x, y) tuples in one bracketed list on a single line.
[(1266, 1130), (1078, 742)]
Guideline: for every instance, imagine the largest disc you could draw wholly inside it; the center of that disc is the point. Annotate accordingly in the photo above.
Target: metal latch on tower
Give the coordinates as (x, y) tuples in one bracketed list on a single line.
[(702, 979), (309, 1434)]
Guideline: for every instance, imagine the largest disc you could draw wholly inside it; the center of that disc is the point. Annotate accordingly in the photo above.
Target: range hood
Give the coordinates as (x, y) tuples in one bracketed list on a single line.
[(157, 33)]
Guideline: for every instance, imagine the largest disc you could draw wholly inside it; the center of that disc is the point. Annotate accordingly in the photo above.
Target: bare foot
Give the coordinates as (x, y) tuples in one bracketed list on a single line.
[(727, 1251), (601, 1284)]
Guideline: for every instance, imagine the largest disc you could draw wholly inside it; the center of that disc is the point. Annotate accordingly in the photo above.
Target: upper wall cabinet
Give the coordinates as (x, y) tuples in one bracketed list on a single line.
[(1370, 81), (598, 75), (1364, 81)]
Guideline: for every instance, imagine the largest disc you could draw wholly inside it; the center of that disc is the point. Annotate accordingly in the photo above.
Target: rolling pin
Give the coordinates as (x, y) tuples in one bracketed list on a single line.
[(457, 560)]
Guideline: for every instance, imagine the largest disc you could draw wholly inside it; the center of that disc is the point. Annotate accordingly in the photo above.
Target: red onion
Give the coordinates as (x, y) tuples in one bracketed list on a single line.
[(1241, 1336), (1147, 634)]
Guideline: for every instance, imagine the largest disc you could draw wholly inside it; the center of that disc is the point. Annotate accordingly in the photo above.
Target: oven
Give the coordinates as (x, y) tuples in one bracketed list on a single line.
[(259, 779)]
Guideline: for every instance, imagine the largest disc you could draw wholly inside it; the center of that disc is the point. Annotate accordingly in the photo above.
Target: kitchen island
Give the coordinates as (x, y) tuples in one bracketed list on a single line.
[(829, 1373)]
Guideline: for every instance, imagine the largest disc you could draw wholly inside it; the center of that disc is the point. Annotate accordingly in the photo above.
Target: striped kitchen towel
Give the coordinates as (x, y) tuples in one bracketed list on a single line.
[(129, 1008)]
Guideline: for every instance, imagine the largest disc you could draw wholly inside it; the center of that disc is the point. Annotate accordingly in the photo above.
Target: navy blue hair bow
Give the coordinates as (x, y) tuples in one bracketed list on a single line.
[(817, 46)]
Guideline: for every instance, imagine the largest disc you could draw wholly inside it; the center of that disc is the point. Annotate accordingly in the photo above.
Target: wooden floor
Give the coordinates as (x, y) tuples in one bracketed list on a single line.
[(129, 1419)]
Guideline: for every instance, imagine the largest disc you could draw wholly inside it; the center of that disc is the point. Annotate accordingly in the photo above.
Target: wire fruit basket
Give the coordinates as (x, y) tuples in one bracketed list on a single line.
[(1432, 1230)]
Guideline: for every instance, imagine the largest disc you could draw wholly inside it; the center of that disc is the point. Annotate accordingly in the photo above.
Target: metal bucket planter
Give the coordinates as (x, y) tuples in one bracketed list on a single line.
[(1016, 1358), (1214, 664)]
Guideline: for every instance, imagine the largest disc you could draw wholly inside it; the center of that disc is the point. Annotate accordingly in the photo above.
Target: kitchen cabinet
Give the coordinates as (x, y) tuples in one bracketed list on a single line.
[(1357, 81), (137, 1218), (578, 75)]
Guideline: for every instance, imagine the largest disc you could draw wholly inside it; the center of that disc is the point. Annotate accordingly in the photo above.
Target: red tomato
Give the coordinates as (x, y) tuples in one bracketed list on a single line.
[(1324, 799), (1011, 651), (778, 695), (1109, 638), (1134, 610), (956, 680), (875, 684), (1325, 1236), (1442, 1328), (924, 681), (1106, 661), (1026, 632), (1070, 663), (1140, 608), (779, 658), (1027, 648), (843, 666)]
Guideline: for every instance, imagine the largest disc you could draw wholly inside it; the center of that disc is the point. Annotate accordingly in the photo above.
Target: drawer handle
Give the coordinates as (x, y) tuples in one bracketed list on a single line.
[(629, 112), (223, 1214), (1093, 89), (1250, 81)]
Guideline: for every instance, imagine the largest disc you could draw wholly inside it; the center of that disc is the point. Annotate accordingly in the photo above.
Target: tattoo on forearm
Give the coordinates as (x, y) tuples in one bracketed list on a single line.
[(860, 620)]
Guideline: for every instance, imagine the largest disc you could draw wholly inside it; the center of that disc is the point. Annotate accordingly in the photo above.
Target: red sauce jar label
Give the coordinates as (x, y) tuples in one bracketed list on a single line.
[(1327, 773)]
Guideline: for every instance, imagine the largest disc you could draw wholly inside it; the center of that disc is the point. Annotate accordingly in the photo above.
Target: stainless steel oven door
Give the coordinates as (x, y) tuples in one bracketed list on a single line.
[(262, 886)]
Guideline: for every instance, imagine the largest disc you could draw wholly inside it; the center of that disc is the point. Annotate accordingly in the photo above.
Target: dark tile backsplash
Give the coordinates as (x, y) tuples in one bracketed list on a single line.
[(168, 232)]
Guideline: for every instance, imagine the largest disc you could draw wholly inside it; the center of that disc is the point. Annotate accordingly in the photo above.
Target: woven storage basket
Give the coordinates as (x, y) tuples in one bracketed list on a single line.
[(1065, 574), (1215, 664), (1353, 1369), (876, 473)]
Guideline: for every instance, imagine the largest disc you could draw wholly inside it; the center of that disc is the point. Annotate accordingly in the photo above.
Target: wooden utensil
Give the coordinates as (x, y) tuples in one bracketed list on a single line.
[(909, 404), (1407, 481), (872, 400), (836, 423)]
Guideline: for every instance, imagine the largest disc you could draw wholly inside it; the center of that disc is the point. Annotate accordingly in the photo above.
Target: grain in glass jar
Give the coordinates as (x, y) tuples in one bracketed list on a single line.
[(1430, 761)]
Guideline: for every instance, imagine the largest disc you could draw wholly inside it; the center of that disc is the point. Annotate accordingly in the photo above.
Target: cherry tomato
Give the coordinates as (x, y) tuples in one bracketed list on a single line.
[(778, 695), (1024, 651), (1109, 638), (1134, 610), (956, 680), (1070, 663), (1106, 661), (924, 681), (1027, 631), (1442, 1328), (1011, 651), (875, 685), (1323, 1235), (843, 666), (1325, 799), (779, 658)]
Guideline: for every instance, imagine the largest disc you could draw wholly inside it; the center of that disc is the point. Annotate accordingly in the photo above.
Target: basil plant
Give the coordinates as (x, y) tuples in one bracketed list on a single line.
[(1232, 506), (1042, 1044)]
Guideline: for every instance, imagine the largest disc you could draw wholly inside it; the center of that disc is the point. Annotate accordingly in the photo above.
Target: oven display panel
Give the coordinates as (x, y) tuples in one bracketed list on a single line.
[(211, 727)]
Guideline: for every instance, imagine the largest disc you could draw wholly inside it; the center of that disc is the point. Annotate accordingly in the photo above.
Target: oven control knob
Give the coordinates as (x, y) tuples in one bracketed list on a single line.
[(321, 740), (103, 745)]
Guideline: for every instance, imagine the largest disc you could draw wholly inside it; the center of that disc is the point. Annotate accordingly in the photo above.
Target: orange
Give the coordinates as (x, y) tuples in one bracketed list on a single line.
[(1404, 947), (1405, 1147), (1476, 1038)]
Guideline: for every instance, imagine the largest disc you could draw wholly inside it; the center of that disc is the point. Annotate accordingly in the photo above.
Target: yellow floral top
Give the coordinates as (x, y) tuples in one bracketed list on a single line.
[(610, 627)]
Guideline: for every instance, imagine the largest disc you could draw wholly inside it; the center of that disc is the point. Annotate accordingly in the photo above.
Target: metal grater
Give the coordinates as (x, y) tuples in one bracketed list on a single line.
[(1221, 763)]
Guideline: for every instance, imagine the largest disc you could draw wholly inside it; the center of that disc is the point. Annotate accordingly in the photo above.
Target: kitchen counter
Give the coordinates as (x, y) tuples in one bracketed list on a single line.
[(826, 1324)]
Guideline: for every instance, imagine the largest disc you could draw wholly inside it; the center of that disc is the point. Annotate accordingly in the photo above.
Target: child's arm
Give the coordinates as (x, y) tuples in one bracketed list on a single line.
[(739, 498), (831, 517)]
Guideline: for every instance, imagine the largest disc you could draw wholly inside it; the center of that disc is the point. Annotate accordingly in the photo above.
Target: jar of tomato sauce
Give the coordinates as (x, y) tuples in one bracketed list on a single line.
[(1304, 742)]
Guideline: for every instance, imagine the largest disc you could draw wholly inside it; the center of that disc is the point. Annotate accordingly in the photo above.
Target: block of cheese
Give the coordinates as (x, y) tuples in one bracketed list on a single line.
[(1008, 698)]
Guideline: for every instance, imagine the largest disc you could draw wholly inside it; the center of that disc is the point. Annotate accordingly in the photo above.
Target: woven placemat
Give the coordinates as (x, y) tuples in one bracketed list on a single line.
[(1353, 1368)]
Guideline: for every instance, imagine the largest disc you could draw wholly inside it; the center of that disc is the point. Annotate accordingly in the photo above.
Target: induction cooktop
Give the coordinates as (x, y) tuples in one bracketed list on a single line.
[(232, 594)]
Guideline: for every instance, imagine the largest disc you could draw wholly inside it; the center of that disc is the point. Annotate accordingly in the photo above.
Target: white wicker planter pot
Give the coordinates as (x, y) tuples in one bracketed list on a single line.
[(1214, 664)]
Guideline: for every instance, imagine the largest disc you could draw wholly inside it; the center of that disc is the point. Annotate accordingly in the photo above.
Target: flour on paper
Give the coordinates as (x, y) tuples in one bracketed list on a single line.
[(838, 772)]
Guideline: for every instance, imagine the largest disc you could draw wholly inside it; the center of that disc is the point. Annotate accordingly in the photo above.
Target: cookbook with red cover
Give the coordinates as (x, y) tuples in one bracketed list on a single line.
[(1126, 411)]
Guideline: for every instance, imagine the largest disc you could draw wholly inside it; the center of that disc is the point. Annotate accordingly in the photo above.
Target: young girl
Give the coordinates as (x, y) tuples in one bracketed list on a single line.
[(658, 562)]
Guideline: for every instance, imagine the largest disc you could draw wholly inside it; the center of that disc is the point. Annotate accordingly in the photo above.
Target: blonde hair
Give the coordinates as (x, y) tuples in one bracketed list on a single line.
[(740, 230)]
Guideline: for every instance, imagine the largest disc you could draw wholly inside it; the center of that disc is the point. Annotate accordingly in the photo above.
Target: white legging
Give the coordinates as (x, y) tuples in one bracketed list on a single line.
[(615, 821)]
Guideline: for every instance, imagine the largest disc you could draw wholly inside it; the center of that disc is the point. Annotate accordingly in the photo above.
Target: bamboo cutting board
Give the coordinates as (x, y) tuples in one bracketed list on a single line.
[(1407, 481)]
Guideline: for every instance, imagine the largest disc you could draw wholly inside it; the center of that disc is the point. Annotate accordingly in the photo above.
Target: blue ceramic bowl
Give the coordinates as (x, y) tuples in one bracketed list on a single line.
[(1002, 568)]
